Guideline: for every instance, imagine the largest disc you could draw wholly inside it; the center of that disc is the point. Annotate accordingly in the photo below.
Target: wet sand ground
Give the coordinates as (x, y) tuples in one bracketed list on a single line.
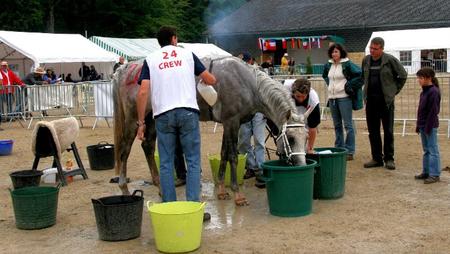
[(382, 211)]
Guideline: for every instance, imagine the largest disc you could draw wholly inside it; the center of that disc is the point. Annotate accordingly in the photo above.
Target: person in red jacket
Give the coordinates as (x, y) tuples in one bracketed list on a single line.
[(9, 78)]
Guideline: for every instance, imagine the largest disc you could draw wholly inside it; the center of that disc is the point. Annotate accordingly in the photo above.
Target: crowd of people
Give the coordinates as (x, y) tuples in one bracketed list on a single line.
[(349, 88)]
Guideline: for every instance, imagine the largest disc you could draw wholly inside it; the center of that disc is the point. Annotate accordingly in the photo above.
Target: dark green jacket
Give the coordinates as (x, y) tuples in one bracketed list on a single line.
[(392, 75), (354, 84)]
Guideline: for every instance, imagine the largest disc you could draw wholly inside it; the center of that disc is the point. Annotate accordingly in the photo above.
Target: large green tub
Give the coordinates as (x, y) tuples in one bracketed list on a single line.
[(289, 188)]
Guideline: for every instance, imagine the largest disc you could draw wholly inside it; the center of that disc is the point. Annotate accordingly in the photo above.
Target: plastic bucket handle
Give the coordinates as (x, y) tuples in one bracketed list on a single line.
[(138, 191), (97, 201)]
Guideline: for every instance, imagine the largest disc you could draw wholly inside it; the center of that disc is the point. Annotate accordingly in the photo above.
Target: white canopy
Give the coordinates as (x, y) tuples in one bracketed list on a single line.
[(134, 49), (130, 49), (414, 39), (63, 52)]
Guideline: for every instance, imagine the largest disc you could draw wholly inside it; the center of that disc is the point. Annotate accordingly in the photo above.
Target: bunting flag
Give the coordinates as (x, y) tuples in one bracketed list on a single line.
[(262, 44), (292, 43), (299, 43), (269, 45), (305, 44), (284, 43), (313, 43)]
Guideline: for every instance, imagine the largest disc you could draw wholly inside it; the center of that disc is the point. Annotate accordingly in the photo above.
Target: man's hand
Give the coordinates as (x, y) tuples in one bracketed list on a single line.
[(140, 132)]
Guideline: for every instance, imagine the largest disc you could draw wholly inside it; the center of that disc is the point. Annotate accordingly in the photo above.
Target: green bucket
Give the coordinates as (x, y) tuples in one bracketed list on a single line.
[(214, 162), (35, 207), (289, 188), (331, 170)]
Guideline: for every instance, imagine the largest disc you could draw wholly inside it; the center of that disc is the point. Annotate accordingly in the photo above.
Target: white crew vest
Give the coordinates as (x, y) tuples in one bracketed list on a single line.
[(172, 79)]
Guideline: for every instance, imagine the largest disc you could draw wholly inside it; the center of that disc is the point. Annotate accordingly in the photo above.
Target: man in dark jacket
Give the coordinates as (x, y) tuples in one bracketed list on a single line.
[(35, 78), (384, 77)]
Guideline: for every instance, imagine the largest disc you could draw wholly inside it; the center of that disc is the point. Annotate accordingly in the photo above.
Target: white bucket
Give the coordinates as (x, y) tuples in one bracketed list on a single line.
[(49, 175)]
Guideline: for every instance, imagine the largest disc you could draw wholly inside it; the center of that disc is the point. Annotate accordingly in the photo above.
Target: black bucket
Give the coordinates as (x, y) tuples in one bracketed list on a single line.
[(119, 217), (25, 178), (101, 156)]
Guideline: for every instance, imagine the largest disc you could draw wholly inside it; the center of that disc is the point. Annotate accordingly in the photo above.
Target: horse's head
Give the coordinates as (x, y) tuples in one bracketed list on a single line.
[(291, 142)]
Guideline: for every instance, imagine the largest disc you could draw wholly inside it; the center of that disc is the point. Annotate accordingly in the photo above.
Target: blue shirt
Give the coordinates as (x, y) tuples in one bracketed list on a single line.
[(198, 69)]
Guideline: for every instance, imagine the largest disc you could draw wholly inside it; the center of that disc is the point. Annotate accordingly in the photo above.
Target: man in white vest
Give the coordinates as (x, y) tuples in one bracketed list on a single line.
[(168, 76)]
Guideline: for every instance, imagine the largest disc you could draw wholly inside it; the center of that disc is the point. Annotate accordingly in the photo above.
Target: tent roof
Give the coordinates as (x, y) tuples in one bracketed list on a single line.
[(54, 48), (134, 49), (414, 39), (131, 49)]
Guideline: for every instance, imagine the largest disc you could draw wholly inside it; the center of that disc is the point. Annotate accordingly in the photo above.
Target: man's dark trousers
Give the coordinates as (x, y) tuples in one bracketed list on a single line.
[(377, 112)]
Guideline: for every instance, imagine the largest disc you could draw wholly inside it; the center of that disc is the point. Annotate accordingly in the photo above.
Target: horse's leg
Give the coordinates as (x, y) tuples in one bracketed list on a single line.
[(124, 152), (148, 145), (222, 194), (229, 151)]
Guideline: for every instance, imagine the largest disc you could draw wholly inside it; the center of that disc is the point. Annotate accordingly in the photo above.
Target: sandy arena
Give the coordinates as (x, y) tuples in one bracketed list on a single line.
[(381, 212)]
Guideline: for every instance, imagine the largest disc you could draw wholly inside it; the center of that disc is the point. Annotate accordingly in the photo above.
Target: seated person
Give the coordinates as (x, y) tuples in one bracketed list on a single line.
[(35, 78), (93, 75), (69, 78), (307, 100), (50, 76)]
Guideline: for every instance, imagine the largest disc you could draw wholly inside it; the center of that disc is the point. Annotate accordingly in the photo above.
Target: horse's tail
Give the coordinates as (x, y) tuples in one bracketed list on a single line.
[(119, 119)]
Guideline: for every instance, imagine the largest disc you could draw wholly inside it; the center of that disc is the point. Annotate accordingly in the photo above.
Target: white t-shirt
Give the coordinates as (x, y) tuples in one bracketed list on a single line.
[(313, 99), (172, 79)]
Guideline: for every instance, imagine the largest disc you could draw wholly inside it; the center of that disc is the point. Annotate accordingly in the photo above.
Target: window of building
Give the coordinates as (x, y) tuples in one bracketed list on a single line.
[(405, 58)]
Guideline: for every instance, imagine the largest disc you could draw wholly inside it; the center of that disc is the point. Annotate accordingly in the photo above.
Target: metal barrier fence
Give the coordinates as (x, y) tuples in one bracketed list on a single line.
[(95, 99), (406, 102)]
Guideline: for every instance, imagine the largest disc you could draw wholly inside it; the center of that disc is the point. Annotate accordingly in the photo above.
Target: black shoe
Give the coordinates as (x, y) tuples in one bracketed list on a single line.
[(422, 176), (259, 179), (390, 165), (432, 179), (260, 185), (180, 182), (373, 164), (249, 173), (206, 217)]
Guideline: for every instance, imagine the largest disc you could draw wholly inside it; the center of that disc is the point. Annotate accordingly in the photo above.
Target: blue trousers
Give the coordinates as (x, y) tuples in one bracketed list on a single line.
[(255, 128), (431, 159), (184, 124), (341, 112)]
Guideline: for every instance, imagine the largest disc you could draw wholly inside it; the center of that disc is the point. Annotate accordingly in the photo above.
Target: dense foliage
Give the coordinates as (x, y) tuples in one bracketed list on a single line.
[(115, 18)]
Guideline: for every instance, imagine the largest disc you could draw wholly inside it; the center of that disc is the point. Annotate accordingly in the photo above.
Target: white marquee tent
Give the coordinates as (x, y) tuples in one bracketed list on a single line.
[(412, 42), (134, 49), (63, 52)]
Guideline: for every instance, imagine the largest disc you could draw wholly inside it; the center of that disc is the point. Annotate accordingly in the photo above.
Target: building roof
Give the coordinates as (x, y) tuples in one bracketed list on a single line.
[(284, 16)]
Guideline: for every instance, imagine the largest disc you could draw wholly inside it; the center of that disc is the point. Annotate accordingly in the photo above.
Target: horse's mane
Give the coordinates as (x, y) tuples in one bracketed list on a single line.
[(274, 96)]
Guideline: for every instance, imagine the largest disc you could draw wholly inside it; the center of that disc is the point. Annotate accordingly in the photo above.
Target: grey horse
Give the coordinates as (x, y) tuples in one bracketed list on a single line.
[(242, 91)]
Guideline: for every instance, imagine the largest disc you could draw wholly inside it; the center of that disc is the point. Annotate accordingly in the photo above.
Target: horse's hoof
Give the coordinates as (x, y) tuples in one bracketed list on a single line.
[(223, 196), (241, 202)]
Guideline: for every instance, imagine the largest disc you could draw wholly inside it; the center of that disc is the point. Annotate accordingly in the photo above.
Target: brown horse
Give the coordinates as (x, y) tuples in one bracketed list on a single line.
[(242, 91)]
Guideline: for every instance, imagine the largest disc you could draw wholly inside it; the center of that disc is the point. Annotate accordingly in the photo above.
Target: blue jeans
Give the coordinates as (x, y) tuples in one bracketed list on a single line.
[(341, 111), (255, 128), (182, 123), (431, 159)]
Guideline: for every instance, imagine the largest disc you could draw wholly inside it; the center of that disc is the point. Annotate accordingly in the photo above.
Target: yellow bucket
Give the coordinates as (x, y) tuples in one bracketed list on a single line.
[(214, 163), (177, 226)]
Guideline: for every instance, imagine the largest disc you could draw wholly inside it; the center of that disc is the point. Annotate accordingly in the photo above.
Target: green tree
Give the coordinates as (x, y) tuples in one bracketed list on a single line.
[(22, 15)]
